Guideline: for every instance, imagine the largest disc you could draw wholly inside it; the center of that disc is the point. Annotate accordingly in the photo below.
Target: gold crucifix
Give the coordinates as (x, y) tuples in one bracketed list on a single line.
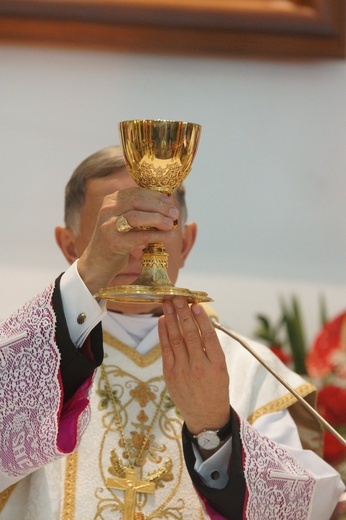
[(131, 485)]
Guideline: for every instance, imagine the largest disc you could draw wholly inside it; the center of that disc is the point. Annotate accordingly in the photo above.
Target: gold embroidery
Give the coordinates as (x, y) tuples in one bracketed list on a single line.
[(5, 495), (163, 474), (281, 403), (141, 360), (169, 507), (170, 426), (70, 487), (142, 394), (136, 451)]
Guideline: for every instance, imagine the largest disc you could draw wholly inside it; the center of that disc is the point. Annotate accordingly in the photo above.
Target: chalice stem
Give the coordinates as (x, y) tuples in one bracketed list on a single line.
[(154, 266)]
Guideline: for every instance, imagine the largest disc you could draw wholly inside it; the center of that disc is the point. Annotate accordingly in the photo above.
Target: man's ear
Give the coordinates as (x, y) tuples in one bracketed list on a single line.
[(189, 238), (67, 242)]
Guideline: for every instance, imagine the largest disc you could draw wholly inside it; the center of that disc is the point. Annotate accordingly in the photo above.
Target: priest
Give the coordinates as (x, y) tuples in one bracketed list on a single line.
[(143, 411)]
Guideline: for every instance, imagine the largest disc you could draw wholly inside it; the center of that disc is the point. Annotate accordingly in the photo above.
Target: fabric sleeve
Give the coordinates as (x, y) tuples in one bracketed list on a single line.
[(281, 428), (36, 426), (82, 312), (213, 470), (31, 390), (228, 501), (266, 476), (76, 365)]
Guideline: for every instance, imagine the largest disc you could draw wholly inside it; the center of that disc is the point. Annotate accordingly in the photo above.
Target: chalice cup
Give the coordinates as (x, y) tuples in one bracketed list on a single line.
[(158, 155)]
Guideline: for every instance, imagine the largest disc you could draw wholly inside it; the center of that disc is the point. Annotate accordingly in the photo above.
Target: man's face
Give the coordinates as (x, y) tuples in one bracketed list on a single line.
[(177, 247)]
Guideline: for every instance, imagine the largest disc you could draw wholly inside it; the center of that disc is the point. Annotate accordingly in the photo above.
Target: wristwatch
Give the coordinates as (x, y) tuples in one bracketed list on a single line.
[(211, 439)]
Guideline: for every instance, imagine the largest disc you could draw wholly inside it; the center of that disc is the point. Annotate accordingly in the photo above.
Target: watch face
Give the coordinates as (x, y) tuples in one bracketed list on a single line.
[(208, 440)]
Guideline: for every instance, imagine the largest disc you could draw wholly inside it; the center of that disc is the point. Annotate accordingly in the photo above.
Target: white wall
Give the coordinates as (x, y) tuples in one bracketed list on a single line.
[(267, 187)]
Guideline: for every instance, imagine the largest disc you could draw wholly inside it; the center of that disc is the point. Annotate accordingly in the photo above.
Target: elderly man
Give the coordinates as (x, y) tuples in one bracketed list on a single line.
[(142, 411)]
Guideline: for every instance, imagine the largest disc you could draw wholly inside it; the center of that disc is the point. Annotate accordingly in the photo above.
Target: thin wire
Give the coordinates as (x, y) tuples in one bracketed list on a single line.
[(281, 380)]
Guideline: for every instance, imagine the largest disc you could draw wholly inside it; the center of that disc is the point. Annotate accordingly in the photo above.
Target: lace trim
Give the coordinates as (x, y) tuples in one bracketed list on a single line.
[(281, 403), (277, 485), (29, 387), (30, 392), (141, 360)]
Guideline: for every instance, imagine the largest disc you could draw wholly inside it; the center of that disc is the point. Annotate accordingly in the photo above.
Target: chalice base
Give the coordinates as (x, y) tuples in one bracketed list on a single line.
[(153, 284), (144, 294)]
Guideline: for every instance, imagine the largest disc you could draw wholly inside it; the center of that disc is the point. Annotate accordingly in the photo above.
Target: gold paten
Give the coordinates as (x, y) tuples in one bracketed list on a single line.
[(159, 155)]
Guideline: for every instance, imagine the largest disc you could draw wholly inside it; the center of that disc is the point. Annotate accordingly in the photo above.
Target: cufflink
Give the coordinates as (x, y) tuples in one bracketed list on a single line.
[(81, 318)]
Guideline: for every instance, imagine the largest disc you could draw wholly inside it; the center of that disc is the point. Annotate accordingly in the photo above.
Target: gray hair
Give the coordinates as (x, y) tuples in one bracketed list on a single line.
[(100, 164)]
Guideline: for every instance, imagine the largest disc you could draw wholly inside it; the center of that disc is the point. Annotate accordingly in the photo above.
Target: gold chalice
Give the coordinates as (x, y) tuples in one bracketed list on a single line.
[(158, 155)]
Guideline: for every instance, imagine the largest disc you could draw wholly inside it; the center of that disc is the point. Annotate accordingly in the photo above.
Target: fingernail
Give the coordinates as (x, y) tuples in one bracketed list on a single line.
[(196, 309)]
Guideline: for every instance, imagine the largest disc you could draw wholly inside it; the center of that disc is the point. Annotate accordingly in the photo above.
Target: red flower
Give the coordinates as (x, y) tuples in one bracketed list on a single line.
[(331, 402), (334, 451), (319, 361)]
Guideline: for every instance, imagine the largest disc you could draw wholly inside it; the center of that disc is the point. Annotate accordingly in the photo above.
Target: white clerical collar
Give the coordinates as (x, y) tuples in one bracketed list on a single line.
[(138, 331)]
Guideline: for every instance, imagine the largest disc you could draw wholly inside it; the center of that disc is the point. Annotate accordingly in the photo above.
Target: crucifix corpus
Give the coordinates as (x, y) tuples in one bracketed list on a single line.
[(131, 485)]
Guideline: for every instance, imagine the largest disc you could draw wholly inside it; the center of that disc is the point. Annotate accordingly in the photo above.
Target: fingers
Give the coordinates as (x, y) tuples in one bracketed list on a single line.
[(138, 236), (145, 216), (137, 216), (148, 217), (172, 334), (167, 353), (190, 331), (147, 220), (194, 365), (142, 208), (208, 334)]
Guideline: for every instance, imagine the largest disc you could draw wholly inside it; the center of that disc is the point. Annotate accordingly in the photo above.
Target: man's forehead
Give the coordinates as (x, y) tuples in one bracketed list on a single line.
[(118, 180)]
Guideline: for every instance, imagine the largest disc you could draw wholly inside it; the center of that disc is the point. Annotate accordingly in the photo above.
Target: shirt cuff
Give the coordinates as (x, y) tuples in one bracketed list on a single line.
[(82, 311), (214, 470)]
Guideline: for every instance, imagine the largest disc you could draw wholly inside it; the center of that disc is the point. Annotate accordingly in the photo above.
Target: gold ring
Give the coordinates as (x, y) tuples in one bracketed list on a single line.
[(122, 225)]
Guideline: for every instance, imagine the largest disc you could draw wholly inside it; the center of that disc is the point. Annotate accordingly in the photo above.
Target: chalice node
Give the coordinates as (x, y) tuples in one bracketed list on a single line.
[(158, 155)]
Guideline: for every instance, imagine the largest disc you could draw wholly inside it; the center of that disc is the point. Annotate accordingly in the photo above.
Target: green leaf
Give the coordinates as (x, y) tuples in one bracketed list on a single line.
[(293, 321), (323, 310), (267, 332)]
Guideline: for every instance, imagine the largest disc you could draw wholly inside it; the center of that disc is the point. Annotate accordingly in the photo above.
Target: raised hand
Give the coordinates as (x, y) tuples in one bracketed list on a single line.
[(151, 217), (194, 366)]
